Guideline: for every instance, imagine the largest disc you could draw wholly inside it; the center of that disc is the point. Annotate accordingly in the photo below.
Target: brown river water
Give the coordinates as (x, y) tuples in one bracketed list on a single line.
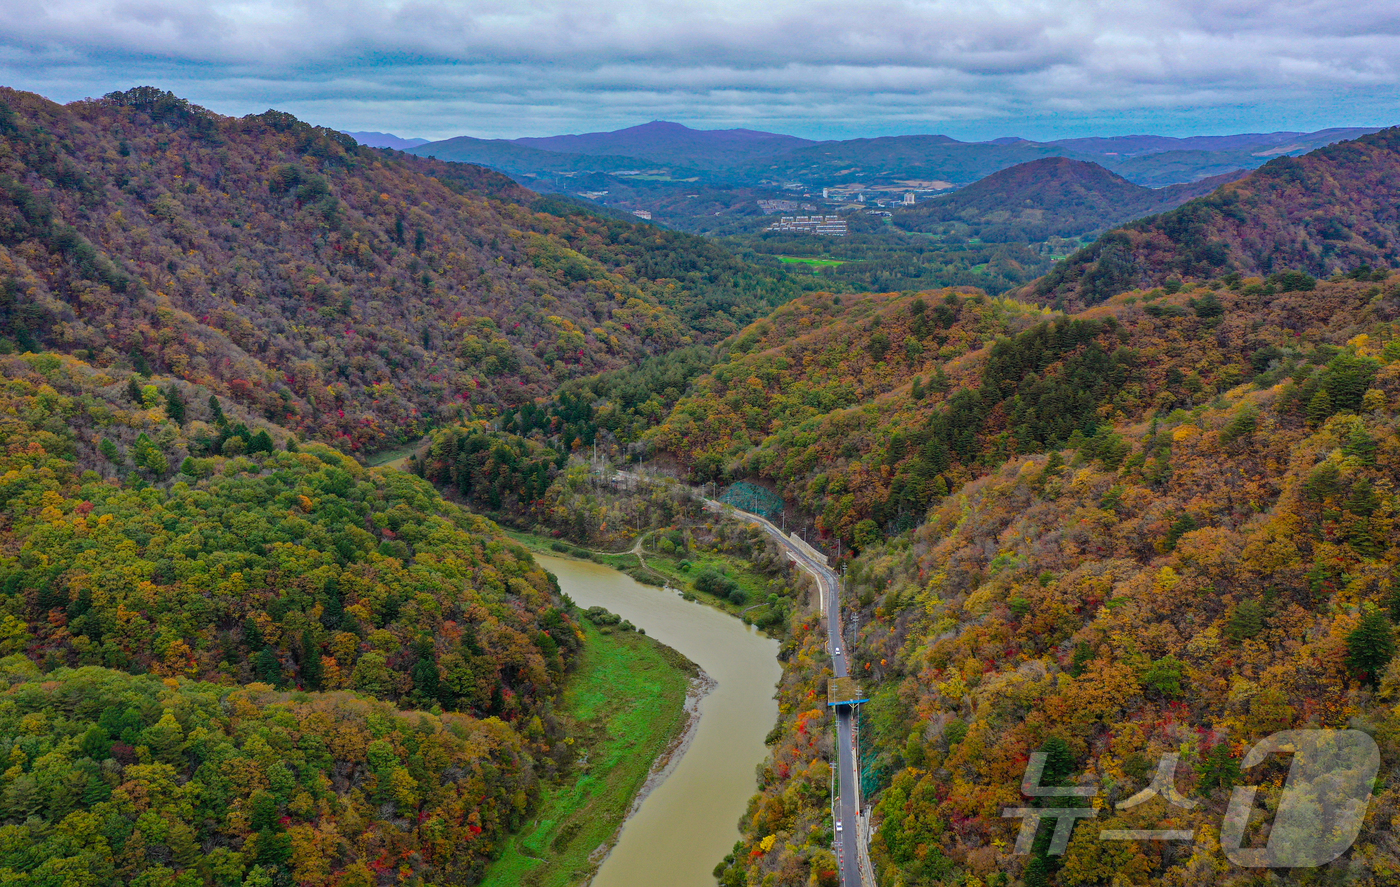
[(691, 820)]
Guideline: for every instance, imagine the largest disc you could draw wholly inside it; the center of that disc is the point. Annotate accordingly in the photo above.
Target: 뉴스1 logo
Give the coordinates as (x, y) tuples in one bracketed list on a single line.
[(1318, 817)]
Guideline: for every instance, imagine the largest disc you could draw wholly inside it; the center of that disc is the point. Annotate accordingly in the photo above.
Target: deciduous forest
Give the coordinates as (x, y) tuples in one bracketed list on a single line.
[(1142, 506)]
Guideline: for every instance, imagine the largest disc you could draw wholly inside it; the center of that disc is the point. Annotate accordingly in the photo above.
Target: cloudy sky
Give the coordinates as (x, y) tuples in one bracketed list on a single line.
[(972, 69)]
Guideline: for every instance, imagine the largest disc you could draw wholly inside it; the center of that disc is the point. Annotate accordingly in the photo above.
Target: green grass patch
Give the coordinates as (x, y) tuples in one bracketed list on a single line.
[(540, 543), (678, 570), (625, 703), (395, 458), (821, 263), (753, 584)]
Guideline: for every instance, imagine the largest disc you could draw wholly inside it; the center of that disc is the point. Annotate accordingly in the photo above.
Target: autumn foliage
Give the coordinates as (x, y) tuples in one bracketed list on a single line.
[(1204, 556)]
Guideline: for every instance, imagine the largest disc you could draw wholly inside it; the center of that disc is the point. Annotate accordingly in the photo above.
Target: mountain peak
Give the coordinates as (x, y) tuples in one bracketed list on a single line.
[(385, 140), (667, 142)]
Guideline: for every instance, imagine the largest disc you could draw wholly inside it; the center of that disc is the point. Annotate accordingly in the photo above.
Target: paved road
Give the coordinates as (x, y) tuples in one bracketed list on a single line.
[(829, 587)]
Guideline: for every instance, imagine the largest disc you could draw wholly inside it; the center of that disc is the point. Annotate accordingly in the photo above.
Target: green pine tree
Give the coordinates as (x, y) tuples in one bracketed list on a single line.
[(1217, 769), (174, 404), (1371, 646), (312, 672), (1361, 446), (268, 667), (1246, 622), (1320, 407), (940, 381)]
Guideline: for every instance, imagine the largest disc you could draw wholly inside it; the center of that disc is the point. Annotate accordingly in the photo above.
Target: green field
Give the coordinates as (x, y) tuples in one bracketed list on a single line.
[(395, 458), (626, 704), (821, 263)]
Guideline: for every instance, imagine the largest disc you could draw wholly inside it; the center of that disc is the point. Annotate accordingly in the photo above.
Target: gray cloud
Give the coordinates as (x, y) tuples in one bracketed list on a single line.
[(814, 68)]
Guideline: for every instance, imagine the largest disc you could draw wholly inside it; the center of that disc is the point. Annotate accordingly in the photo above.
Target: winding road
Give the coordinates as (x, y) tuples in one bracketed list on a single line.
[(849, 851), (851, 854)]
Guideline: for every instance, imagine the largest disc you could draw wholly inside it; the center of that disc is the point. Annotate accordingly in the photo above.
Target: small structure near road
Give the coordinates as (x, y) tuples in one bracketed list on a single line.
[(843, 691), (750, 497)]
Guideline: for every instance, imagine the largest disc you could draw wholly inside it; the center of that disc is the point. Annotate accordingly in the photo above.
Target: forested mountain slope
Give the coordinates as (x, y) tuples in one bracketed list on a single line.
[(1158, 526), (135, 779), (347, 293), (1220, 573), (806, 397), (1197, 551), (1331, 210), (873, 408), (147, 532)]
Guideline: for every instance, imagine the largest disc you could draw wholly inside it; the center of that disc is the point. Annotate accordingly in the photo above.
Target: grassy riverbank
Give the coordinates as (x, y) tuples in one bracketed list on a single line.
[(679, 572), (626, 701)]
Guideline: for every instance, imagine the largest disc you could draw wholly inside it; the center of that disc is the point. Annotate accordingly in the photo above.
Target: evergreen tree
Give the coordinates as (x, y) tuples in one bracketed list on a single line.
[(96, 743), (268, 667), (1059, 762), (261, 443), (147, 455), (1163, 677), (1371, 646), (312, 672), (1244, 422), (1217, 769), (940, 381), (96, 791), (184, 849), (174, 404), (1246, 622), (1320, 407), (1361, 446), (333, 608), (165, 739), (1346, 379)]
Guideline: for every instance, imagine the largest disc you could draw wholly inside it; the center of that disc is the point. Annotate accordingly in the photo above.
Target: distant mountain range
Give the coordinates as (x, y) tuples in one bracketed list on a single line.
[(662, 142), (710, 180), (385, 140), (751, 157)]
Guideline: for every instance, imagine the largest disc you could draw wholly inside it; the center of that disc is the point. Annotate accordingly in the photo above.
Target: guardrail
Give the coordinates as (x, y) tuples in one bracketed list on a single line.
[(867, 869)]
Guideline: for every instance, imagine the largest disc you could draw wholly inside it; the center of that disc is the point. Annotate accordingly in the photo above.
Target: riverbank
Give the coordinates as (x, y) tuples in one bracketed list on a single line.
[(685, 826), (632, 704), (680, 572)]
